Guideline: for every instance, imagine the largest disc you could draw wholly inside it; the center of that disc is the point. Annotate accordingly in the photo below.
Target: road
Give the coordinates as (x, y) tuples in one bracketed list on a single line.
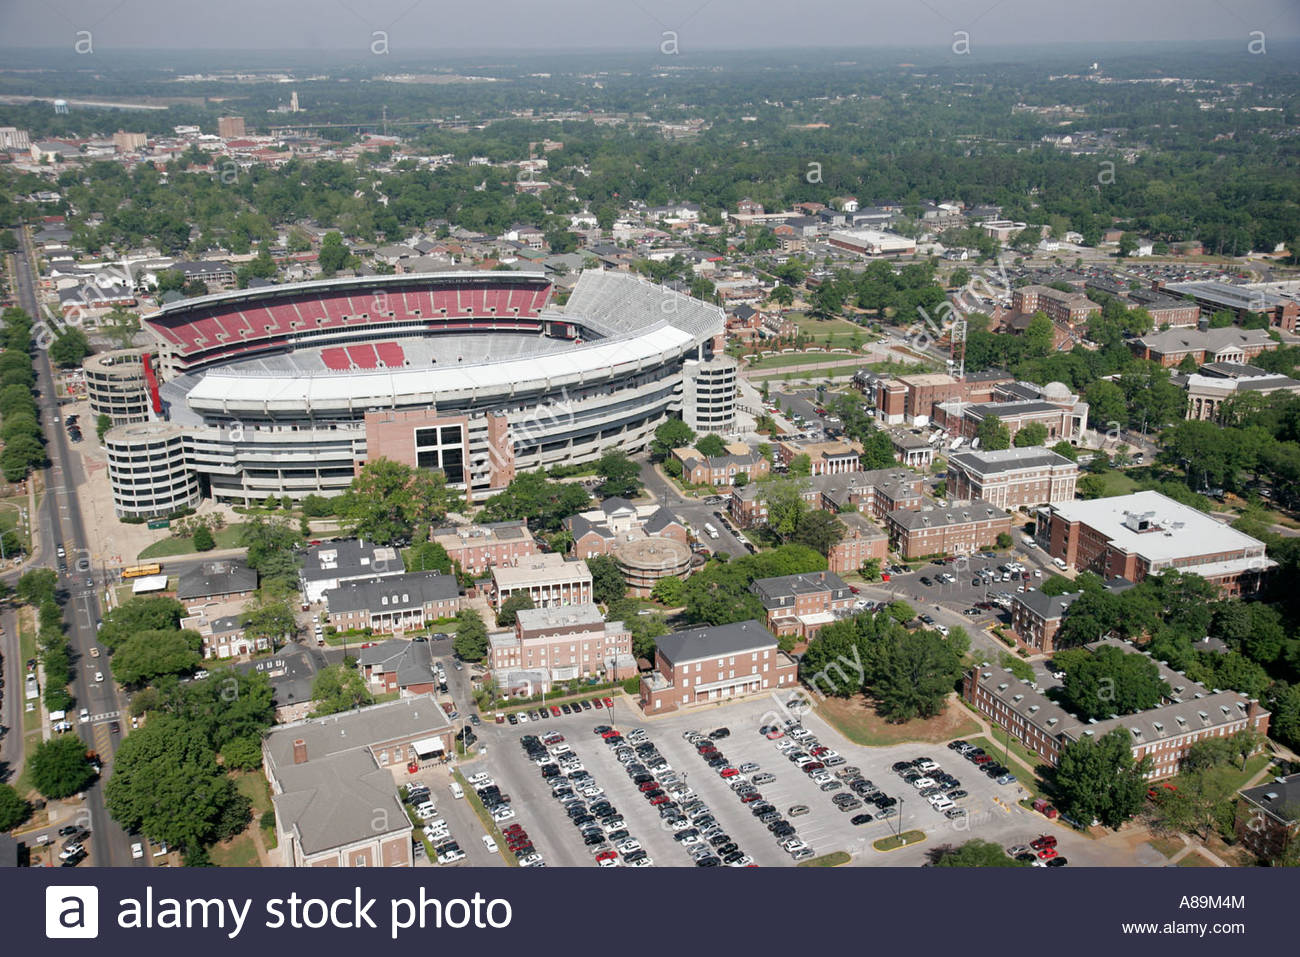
[(694, 511), (59, 520)]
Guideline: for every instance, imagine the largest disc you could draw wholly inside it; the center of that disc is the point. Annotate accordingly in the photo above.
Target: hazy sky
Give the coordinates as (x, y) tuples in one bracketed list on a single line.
[(620, 24)]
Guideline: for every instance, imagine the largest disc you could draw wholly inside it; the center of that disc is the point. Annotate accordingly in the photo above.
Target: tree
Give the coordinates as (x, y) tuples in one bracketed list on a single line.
[(339, 688), (149, 654), (532, 497), (14, 809), (820, 530), (622, 476), (1108, 680), (993, 434), (785, 507), (69, 347), (669, 591), (711, 446), (1039, 336), (512, 606), (1203, 800), (167, 784), (911, 673), (428, 557), (974, 853), (272, 545), (203, 540), (470, 643), (871, 570), (333, 255), (389, 501), (137, 615), (801, 465), (59, 767), (1066, 450), (1097, 779), (1127, 245), (1003, 540), (671, 434), (1106, 405), (270, 617), (607, 582), (1033, 434), (37, 586)]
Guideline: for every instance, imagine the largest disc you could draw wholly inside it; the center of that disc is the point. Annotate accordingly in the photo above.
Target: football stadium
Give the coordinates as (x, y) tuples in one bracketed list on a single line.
[(291, 389)]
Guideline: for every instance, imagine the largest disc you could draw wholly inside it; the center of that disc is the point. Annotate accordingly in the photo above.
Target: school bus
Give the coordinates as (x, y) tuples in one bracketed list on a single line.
[(139, 571)]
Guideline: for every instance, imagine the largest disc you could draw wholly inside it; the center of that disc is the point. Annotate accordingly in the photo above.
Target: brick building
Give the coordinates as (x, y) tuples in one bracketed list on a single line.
[(1036, 618), (547, 578), (956, 530), (562, 644), (1228, 344), (601, 530), (480, 547), (1164, 733), (1070, 308), (1268, 817), (1217, 382), (333, 784), (398, 665), (825, 458), (1012, 478), (862, 541), (801, 604), (721, 469), (714, 664), (399, 603), (1166, 310), (1133, 536)]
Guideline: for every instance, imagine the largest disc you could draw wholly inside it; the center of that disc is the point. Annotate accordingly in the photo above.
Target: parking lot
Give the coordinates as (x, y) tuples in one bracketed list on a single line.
[(992, 812)]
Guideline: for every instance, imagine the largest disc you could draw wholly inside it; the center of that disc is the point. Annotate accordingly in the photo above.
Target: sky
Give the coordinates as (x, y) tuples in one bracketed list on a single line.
[(542, 25)]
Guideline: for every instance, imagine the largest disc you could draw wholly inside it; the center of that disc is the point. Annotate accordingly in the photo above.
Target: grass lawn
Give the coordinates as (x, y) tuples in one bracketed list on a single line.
[(252, 784), (1117, 483), (9, 518), (1254, 765), (1166, 845), (27, 651), (856, 719), (833, 859), (1195, 860), (228, 537), (894, 842), (387, 696), (810, 374), (238, 852), (793, 359)]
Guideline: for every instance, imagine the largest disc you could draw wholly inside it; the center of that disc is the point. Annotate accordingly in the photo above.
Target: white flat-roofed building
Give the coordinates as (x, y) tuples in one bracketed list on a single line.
[(1133, 536), (872, 242), (547, 578)]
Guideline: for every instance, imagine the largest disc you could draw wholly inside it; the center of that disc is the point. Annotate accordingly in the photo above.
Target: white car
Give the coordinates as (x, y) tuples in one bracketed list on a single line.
[(922, 783), (137, 851), (503, 813), (941, 802), (643, 862), (793, 845), (628, 845), (426, 810), (490, 844), (451, 855), (99, 676), (84, 716), (523, 716), (70, 851), (743, 861), (481, 779)]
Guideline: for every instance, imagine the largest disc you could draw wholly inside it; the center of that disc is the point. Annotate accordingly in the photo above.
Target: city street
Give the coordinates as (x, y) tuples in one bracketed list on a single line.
[(59, 521)]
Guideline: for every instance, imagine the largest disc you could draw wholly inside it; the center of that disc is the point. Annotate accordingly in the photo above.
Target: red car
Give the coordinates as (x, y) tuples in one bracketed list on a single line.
[(1047, 853), (610, 734), (818, 751), (812, 766), (1046, 840), (984, 759), (609, 703), (774, 734), (647, 786), (728, 772), (661, 799), (607, 856), (751, 797)]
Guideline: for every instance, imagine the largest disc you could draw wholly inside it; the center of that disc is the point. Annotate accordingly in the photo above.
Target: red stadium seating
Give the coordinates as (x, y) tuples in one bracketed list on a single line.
[(336, 359), (390, 354)]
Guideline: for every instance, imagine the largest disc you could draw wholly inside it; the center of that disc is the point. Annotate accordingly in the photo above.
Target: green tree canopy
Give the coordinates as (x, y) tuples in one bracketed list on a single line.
[(622, 476), (974, 853), (146, 655), (671, 434), (1107, 680), (59, 767), (390, 501), (711, 446), (339, 688), (471, 642), (512, 606), (1097, 779)]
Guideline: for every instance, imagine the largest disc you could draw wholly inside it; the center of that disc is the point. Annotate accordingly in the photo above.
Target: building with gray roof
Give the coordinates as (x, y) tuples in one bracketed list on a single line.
[(399, 603)]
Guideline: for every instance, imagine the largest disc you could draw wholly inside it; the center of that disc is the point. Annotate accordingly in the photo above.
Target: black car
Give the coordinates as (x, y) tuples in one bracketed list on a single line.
[(861, 819), (621, 834), (729, 848), (925, 580), (1057, 862), (634, 856), (720, 839), (592, 839), (902, 767), (1026, 858), (709, 861), (720, 733), (586, 705)]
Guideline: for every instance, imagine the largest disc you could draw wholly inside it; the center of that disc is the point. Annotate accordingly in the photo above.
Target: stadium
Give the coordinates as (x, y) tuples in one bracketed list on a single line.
[(290, 389)]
